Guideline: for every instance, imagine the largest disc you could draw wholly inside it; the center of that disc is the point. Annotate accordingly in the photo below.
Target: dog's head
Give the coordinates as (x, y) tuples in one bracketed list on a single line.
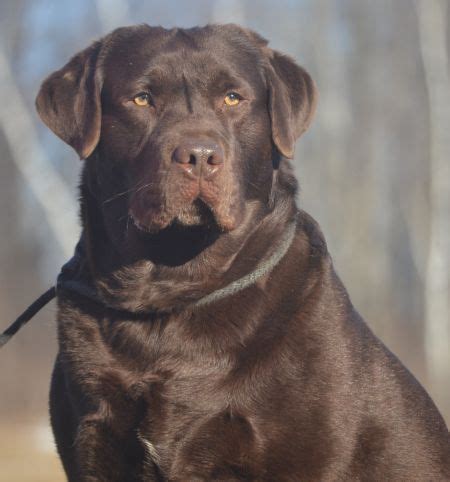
[(182, 125)]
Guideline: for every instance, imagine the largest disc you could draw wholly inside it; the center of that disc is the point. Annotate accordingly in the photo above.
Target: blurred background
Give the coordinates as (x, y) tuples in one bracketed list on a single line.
[(374, 171)]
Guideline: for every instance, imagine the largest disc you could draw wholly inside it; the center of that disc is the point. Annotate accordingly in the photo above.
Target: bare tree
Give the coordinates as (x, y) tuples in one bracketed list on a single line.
[(432, 16), (49, 188)]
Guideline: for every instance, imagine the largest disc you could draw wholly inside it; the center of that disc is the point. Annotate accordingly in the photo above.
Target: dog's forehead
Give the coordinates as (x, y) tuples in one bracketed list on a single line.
[(132, 52)]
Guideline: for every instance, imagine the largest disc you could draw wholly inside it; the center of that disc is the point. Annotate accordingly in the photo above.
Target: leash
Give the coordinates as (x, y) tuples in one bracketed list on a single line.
[(26, 316), (86, 289)]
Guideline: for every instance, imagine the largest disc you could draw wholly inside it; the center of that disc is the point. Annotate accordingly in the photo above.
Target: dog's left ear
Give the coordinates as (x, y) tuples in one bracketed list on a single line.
[(292, 101), (69, 101)]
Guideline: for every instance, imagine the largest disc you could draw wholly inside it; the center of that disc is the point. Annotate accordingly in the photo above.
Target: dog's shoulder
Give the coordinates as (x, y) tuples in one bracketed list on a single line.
[(311, 228)]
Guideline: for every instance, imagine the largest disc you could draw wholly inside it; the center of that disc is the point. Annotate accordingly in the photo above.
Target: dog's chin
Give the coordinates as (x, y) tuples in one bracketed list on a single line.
[(194, 216), (197, 214), (177, 240)]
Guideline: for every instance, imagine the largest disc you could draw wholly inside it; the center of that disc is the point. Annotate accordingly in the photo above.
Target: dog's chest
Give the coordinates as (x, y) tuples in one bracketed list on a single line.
[(151, 385), (186, 408), (173, 388)]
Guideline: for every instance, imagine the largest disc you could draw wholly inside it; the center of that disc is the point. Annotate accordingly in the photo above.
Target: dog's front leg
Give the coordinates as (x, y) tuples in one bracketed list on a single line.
[(106, 445), (106, 406)]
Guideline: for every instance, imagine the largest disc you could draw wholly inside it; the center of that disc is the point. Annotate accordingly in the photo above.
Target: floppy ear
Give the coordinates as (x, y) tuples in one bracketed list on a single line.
[(69, 101), (292, 101)]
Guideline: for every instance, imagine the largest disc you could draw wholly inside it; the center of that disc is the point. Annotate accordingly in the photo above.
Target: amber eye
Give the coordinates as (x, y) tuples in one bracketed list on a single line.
[(142, 99), (232, 99)]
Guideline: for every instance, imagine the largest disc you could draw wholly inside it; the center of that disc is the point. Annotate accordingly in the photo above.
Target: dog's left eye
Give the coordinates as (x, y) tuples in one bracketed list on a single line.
[(142, 99), (232, 99)]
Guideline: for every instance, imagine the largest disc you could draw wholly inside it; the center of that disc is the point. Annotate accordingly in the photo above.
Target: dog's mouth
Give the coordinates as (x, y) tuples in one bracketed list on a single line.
[(188, 204), (187, 235), (198, 214)]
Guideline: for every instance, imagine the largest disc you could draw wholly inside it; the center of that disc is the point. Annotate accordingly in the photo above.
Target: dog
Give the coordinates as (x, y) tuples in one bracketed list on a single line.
[(203, 332)]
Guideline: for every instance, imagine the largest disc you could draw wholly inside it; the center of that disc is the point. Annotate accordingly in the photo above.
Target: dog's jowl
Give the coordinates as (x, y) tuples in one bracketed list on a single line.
[(203, 333)]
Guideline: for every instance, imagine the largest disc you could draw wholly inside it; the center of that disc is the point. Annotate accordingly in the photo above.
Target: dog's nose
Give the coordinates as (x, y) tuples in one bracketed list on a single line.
[(199, 156)]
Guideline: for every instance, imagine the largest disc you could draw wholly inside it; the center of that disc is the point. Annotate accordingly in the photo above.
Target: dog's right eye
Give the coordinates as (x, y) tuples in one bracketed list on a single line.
[(142, 99), (232, 99)]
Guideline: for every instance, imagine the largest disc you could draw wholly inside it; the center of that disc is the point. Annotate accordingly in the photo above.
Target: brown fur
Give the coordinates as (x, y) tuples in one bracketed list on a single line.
[(282, 381)]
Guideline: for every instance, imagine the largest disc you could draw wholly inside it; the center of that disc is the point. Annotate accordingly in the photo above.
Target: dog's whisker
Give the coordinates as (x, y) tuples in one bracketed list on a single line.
[(258, 188), (127, 227), (149, 184), (128, 191), (117, 195)]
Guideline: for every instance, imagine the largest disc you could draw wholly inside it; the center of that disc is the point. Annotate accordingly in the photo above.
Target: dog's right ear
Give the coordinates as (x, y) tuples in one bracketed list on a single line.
[(69, 101)]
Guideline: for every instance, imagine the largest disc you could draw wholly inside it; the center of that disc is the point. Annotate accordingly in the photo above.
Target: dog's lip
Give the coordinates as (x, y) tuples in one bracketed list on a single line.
[(150, 225), (140, 226), (154, 226)]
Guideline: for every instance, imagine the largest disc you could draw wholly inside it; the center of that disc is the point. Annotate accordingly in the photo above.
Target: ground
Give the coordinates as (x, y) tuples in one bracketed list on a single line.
[(28, 454)]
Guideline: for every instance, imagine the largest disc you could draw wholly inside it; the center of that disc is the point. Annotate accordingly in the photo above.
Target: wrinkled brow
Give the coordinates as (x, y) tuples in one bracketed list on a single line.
[(159, 79)]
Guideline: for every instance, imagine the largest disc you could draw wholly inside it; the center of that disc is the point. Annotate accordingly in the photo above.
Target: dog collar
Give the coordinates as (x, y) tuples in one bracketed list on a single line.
[(69, 280), (265, 266)]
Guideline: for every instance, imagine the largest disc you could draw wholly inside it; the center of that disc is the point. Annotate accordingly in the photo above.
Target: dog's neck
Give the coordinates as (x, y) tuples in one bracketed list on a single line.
[(136, 282), (72, 274)]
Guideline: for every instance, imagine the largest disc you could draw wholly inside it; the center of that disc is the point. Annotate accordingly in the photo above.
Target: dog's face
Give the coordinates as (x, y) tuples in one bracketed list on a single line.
[(181, 125)]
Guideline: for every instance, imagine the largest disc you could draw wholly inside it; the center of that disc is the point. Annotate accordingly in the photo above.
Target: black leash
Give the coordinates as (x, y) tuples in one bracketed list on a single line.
[(69, 270), (69, 278), (26, 316)]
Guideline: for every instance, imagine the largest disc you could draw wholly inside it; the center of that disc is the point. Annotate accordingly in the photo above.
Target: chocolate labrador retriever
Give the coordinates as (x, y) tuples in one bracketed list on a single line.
[(203, 332)]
